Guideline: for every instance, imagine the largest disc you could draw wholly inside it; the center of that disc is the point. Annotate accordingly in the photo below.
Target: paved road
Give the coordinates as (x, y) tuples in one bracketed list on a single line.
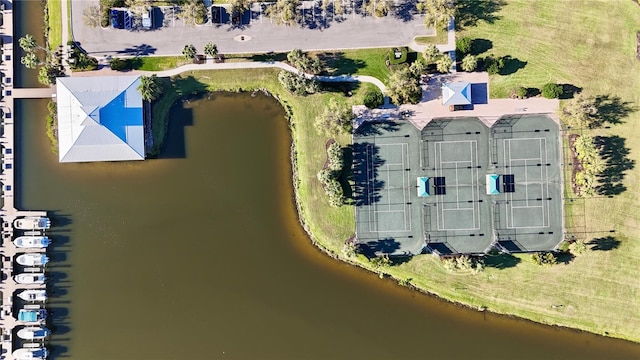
[(260, 35)]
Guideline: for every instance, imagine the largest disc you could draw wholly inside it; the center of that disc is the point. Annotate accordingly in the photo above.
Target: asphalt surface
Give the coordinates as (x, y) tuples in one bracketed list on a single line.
[(257, 33)]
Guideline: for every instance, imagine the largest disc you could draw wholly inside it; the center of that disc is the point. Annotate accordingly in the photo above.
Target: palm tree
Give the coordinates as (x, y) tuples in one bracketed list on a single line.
[(150, 87), (211, 49), (30, 61), (437, 12), (284, 12), (189, 51), (193, 12)]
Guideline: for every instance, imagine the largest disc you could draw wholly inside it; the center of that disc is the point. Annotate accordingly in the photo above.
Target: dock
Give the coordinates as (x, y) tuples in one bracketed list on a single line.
[(9, 213)]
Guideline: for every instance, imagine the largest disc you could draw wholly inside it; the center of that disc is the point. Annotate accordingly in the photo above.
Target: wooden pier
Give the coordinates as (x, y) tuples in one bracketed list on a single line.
[(8, 213)]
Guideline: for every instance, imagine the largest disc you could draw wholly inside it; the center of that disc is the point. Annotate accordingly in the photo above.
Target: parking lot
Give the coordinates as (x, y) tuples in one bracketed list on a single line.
[(317, 29)]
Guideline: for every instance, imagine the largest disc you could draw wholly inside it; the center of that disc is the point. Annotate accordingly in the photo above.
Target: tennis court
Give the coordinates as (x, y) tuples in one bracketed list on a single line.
[(384, 168), (458, 186)]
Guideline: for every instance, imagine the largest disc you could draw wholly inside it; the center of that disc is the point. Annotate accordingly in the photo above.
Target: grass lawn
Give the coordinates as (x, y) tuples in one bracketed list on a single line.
[(159, 63), (55, 23), (439, 38), (361, 62)]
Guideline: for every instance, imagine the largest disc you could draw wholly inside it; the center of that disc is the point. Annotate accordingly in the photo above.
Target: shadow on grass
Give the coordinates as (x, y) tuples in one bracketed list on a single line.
[(337, 64), (564, 257), (346, 173), (569, 91), (616, 157), (511, 65), (606, 243), (269, 57), (470, 12), (479, 46), (532, 92), (611, 109), (501, 261), (346, 88)]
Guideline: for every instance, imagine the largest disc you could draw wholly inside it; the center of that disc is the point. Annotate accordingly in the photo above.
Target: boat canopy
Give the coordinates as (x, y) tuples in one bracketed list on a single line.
[(28, 315)]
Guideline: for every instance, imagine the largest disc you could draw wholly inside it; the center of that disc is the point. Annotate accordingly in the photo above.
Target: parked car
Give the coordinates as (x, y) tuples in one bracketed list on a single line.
[(147, 19)]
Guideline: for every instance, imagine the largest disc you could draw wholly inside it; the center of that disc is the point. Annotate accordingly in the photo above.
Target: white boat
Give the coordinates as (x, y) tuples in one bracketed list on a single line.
[(33, 295), (32, 223), (34, 333), (32, 259), (32, 241), (30, 278), (39, 353)]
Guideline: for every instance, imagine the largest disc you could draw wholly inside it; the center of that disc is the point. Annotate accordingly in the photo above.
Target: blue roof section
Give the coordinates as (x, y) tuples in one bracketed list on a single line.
[(423, 186), (492, 184), (457, 93), (116, 116)]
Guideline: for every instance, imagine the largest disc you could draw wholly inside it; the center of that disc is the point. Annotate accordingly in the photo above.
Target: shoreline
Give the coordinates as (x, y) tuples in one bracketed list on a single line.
[(387, 272)]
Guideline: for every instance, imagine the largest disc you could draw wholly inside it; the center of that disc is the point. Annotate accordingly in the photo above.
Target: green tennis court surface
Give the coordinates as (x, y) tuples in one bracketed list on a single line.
[(458, 186)]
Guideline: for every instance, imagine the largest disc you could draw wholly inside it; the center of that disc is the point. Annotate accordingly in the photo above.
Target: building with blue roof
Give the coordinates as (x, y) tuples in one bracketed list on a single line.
[(100, 119)]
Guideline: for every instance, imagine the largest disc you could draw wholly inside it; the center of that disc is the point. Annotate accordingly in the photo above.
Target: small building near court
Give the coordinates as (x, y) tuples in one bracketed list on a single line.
[(456, 94), (100, 119)]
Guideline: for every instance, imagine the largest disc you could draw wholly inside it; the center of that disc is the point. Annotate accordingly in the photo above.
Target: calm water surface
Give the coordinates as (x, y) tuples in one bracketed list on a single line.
[(199, 255)]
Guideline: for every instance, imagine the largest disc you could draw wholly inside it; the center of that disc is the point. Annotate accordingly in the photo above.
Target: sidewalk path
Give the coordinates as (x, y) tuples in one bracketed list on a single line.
[(65, 35)]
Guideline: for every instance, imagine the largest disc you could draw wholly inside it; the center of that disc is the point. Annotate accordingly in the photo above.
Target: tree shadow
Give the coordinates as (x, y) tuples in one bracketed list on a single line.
[(532, 92), (479, 46), (569, 91), (138, 50), (377, 128), (604, 243), (336, 63), (501, 260), (345, 88), (511, 65), (365, 163), (404, 10), (269, 57), (611, 109), (374, 248), (346, 173), (564, 257), (615, 155), (470, 12)]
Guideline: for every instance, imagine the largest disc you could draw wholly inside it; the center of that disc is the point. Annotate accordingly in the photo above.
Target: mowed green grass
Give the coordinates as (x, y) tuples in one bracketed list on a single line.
[(590, 44), (159, 63), (54, 9)]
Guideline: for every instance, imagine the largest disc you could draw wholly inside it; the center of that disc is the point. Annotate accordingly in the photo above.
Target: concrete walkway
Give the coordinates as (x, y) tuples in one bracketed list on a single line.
[(34, 93), (65, 35)]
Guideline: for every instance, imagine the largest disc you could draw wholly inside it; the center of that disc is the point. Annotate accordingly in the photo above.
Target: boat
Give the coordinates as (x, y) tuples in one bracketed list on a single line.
[(39, 353), (34, 333), (32, 259), (30, 278), (32, 241), (32, 223), (32, 315), (33, 295)]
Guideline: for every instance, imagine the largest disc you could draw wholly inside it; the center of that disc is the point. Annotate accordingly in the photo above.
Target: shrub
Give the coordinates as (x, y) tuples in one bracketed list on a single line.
[(493, 65), (296, 83), (463, 45), (417, 68), (373, 98), (551, 90), (520, 92), (544, 258), (335, 157), (391, 56), (443, 64), (469, 63), (578, 247), (118, 64)]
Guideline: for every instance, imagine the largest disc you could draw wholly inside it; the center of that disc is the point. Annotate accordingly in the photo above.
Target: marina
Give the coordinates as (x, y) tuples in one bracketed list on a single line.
[(22, 232)]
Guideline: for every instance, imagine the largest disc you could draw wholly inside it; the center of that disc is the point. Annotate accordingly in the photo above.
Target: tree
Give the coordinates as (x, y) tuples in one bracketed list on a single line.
[(580, 112), (48, 73), (30, 61), (404, 87), (240, 6), (91, 16), (520, 92), (551, 91), (189, 51), (211, 49), (138, 7), (334, 120), (463, 45), (303, 62), (194, 12), (431, 53), (338, 8), (28, 43), (380, 8), (118, 64), (150, 87), (373, 98), (297, 84), (437, 12), (444, 64), (469, 63), (284, 12), (417, 68)]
